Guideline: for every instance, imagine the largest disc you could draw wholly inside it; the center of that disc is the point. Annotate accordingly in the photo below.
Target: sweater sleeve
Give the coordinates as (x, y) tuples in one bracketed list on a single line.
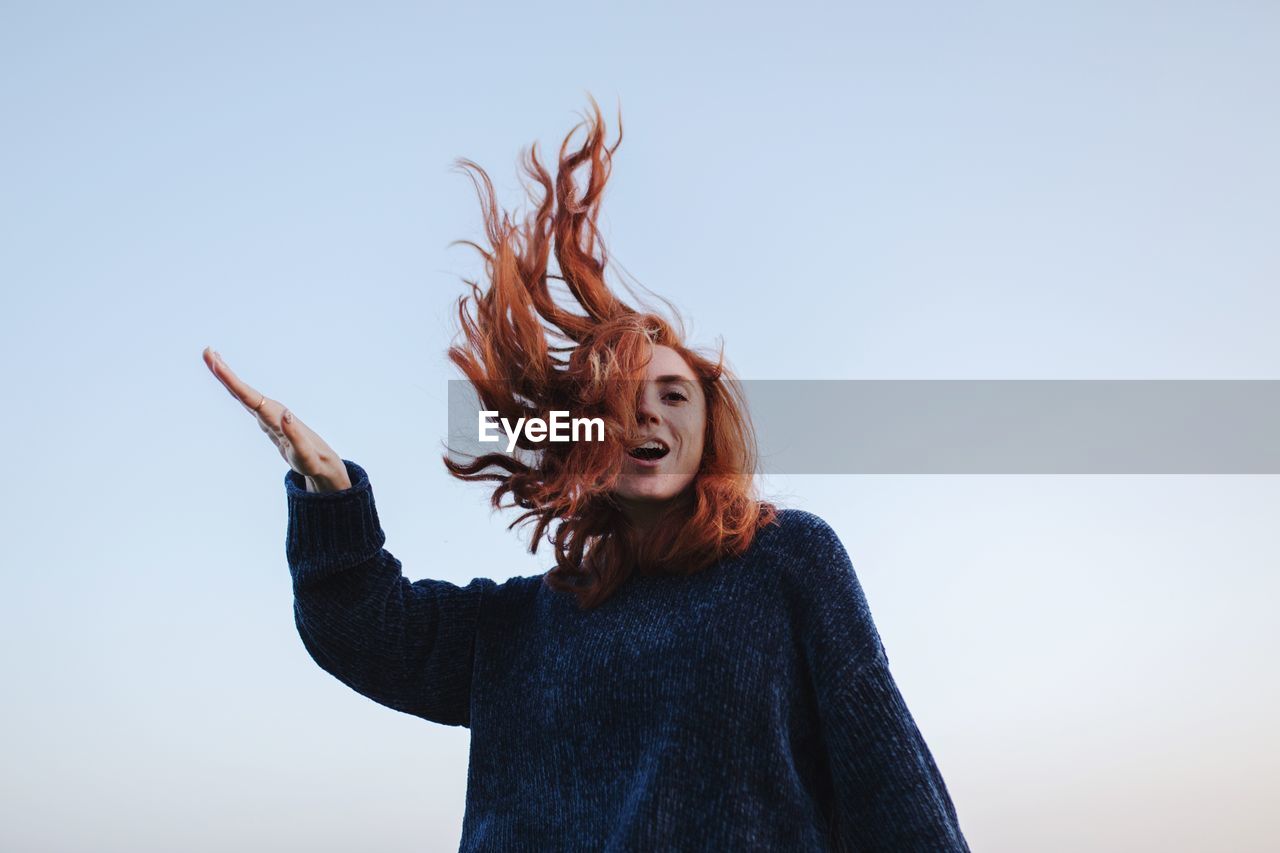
[(888, 793), (408, 646)]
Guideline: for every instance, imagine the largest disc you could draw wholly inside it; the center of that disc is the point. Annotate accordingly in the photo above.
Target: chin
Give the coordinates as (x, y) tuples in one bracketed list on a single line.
[(652, 490), (647, 495)]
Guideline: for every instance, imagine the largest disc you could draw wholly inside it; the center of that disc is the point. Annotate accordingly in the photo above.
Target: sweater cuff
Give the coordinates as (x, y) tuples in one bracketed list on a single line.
[(330, 531)]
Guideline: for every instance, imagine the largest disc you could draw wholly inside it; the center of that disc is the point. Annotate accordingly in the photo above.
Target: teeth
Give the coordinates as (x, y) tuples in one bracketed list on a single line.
[(653, 445)]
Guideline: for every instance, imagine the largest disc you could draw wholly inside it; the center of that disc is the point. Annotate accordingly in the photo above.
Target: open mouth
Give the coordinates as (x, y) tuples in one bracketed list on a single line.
[(651, 451)]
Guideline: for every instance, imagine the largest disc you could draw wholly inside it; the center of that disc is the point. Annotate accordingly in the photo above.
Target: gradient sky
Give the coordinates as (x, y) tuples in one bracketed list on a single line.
[(894, 191)]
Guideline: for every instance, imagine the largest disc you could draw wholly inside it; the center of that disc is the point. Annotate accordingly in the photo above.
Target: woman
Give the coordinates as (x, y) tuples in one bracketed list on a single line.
[(699, 670)]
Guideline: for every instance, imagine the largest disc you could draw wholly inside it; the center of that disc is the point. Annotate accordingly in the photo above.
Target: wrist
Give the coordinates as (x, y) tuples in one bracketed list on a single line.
[(334, 482)]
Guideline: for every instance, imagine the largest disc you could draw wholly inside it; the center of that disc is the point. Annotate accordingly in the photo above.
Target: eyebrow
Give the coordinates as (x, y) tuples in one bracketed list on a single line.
[(673, 377)]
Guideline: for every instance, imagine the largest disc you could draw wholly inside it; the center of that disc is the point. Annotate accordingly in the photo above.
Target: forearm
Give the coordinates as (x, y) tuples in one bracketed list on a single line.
[(406, 645)]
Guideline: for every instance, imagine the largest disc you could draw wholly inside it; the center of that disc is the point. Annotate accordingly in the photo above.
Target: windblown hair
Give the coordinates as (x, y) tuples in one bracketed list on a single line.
[(527, 356)]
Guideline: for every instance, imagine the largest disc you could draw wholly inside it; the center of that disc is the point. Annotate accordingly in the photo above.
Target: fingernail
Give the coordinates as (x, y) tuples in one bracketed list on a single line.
[(288, 417), (217, 355)]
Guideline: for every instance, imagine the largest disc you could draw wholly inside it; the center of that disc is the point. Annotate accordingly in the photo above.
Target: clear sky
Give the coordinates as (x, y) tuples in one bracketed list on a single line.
[(911, 190)]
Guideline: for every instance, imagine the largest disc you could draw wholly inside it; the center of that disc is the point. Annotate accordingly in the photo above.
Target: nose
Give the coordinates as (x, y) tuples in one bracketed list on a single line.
[(647, 408)]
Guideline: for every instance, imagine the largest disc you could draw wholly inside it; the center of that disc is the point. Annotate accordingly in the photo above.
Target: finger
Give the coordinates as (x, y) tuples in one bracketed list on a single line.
[(221, 371), (248, 396)]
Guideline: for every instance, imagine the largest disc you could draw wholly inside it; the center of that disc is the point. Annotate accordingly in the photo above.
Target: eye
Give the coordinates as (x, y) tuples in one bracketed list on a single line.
[(675, 394)]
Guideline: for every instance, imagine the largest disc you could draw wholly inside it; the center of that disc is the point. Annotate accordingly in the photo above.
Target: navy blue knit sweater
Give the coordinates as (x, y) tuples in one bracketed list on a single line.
[(748, 707)]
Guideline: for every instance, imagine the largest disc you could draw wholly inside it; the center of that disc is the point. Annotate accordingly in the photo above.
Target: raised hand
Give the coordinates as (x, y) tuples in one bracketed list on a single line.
[(306, 452)]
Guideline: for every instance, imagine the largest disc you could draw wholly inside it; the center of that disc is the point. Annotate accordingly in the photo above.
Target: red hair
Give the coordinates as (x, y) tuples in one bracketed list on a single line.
[(527, 356)]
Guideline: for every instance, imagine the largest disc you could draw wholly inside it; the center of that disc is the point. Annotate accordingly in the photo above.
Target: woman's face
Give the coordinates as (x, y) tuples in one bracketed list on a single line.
[(673, 413)]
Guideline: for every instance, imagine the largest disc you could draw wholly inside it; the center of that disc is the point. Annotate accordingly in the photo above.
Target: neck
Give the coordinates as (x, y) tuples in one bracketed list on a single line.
[(645, 516)]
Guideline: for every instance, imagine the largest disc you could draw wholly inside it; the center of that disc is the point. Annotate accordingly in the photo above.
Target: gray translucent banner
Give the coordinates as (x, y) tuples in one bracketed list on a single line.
[(991, 426)]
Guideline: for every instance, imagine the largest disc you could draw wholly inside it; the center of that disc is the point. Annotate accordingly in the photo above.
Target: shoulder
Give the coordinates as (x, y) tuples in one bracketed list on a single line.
[(818, 582), (801, 533), (801, 520), (504, 601), (807, 554), (521, 587)]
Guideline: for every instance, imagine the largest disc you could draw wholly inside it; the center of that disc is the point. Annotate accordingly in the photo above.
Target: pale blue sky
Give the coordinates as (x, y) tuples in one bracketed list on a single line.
[(911, 190)]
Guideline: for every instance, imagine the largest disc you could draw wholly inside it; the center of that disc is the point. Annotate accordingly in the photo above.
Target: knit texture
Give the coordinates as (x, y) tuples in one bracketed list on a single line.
[(748, 707)]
